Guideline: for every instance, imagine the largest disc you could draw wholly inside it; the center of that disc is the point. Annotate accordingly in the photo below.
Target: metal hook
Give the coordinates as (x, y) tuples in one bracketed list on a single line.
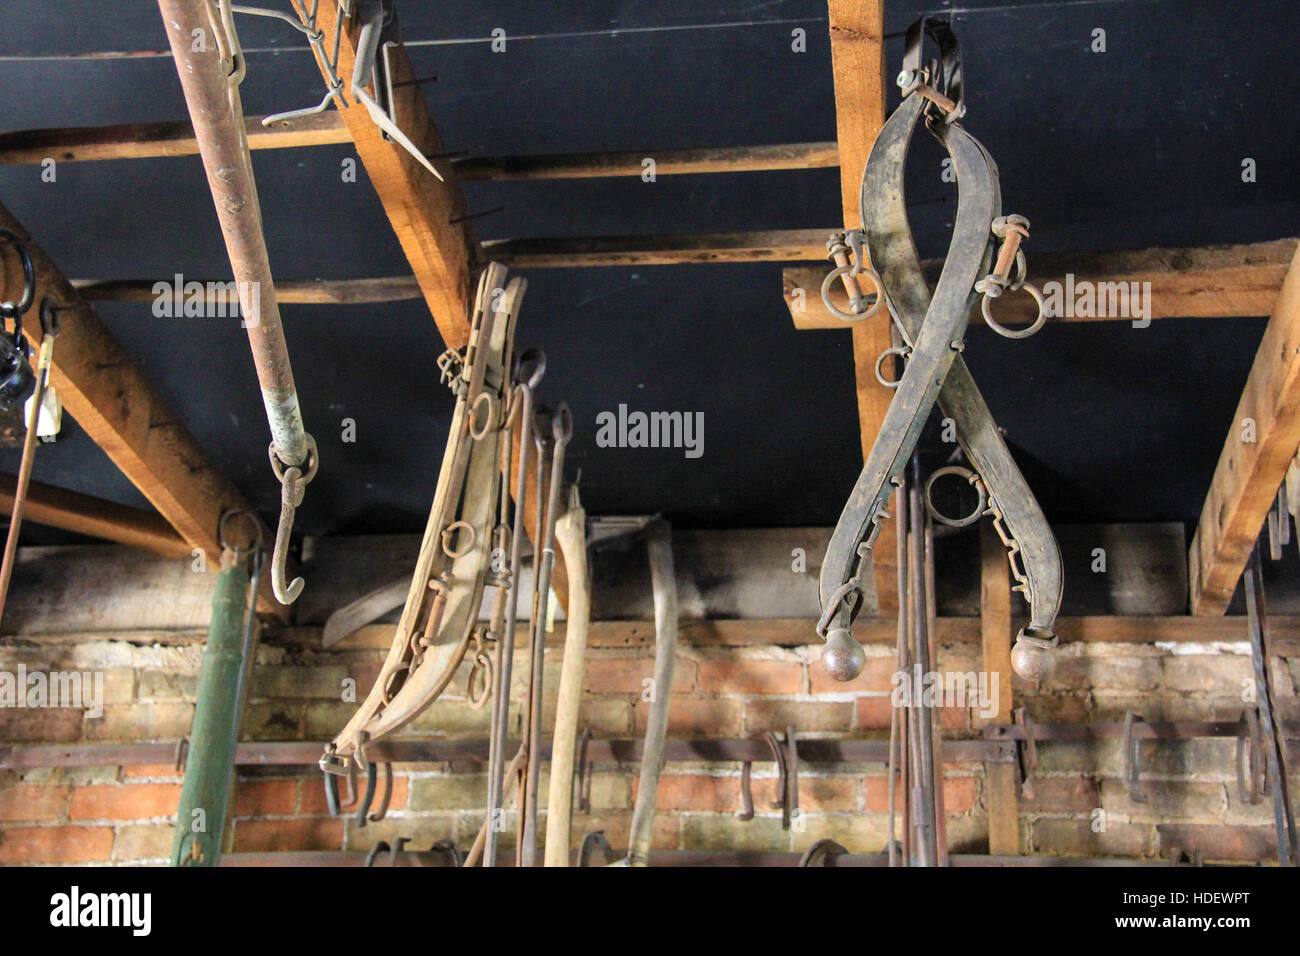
[(590, 843), (293, 482), (822, 853), (17, 309), (584, 772), (1026, 753)]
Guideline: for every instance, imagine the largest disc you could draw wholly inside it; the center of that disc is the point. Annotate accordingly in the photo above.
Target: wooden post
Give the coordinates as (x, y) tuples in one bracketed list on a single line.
[(995, 635)]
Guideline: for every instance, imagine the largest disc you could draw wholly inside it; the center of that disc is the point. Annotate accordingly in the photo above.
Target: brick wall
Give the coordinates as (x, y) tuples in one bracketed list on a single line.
[(123, 814)]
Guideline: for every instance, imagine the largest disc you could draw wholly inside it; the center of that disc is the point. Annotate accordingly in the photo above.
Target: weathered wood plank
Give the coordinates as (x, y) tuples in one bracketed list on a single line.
[(783, 245), (308, 292), (857, 29), (424, 211), (152, 140), (1209, 281), (995, 640), (155, 140), (96, 517), (1261, 442), (667, 162)]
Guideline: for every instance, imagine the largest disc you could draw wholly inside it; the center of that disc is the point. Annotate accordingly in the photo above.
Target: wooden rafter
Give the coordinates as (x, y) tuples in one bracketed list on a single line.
[(857, 29), (96, 517), (1262, 440), (428, 215), (176, 138), (1210, 281), (153, 140), (102, 387)]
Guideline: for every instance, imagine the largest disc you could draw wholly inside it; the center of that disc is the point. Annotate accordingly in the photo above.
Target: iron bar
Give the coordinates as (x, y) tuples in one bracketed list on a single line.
[(1274, 755)]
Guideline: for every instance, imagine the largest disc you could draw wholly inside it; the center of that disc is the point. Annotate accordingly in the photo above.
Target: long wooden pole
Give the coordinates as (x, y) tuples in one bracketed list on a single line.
[(571, 533)]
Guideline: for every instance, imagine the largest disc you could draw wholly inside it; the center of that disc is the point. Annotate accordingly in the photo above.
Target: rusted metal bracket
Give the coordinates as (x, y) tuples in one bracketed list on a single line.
[(1026, 753), (1132, 772), (1252, 783)]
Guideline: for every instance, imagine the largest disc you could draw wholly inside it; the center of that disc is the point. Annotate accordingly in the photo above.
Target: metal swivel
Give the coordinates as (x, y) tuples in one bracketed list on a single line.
[(843, 657)]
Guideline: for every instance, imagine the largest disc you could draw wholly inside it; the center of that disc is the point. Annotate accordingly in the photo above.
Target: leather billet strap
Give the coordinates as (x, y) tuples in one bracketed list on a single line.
[(442, 604), (933, 327)]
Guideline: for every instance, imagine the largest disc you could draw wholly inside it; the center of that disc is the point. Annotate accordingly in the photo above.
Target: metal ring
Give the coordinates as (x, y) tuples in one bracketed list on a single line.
[(240, 553), (852, 316), (482, 666), (902, 351), (449, 530), (1016, 333), (971, 477), (307, 469), (17, 309), (489, 419), (530, 367)]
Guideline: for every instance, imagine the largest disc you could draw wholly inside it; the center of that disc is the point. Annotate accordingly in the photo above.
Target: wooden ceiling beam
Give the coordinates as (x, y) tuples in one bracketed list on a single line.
[(1208, 281), (101, 385), (154, 140), (1262, 440), (427, 215), (857, 30), (84, 514), (79, 144)]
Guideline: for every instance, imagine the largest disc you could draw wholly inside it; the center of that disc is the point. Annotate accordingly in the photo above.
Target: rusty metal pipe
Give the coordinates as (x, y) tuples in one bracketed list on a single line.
[(222, 139)]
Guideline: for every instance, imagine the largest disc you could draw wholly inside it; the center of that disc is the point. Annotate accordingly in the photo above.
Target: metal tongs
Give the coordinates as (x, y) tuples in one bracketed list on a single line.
[(984, 258)]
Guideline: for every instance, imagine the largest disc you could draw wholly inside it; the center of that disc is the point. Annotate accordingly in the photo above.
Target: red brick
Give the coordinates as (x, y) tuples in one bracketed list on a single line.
[(876, 677), (265, 798), (46, 724), (1062, 795), (690, 791), (776, 715), (1252, 844), (30, 803), (132, 801), (627, 675), (273, 836), (816, 794), (313, 794), (696, 716), (55, 844), (750, 677), (874, 713), (152, 770), (958, 794)]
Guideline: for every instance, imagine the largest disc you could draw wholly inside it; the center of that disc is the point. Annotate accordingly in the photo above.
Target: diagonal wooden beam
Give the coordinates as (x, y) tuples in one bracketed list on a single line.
[(1212, 281), (84, 514), (422, 209), (102, 387), (1262, 439), (857, 29), (427, 214)]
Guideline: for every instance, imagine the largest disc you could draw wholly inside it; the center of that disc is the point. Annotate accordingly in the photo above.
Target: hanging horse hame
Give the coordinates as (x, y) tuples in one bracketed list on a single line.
[(984, 259)]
